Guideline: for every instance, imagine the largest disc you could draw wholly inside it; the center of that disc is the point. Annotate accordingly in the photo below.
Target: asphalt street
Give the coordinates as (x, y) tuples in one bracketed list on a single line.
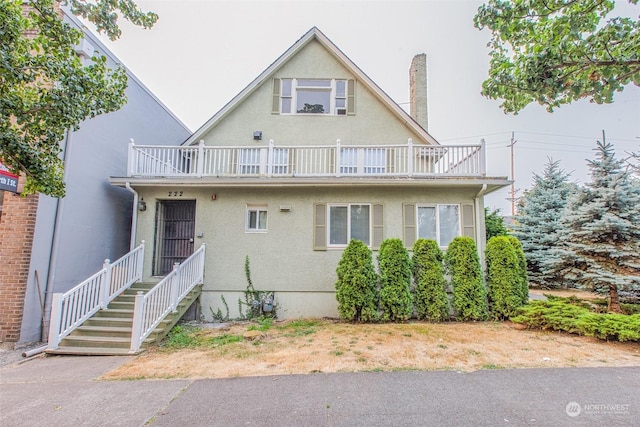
[(64, 391)]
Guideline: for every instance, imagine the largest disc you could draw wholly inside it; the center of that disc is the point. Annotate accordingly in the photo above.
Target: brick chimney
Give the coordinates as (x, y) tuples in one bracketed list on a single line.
[(418, 90)]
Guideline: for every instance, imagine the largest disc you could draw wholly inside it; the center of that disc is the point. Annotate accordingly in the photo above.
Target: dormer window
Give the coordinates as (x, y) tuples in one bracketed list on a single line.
[(314, 96)]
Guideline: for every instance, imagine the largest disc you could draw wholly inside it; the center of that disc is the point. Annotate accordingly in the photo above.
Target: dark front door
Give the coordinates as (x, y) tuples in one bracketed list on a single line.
[(175, 230)]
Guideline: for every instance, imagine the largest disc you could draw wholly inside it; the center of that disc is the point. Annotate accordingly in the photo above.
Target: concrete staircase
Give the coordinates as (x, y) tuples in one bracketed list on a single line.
[(108, 332)]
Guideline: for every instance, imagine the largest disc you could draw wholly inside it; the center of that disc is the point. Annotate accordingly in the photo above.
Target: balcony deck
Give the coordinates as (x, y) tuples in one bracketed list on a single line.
[(408, 160)]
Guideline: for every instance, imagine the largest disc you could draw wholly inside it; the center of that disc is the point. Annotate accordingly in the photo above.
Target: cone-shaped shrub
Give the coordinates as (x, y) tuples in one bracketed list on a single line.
[(430, 297), (522, 269), (463, 265), (356, 286), (503, 278), (395, 281)]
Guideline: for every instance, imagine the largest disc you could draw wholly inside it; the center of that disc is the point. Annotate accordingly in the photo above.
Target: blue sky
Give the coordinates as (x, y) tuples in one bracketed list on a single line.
[(200, 54)]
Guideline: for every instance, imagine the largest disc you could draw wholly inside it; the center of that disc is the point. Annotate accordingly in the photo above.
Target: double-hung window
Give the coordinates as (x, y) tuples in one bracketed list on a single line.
[(256, 219), (313, 96), (438, 222), (349, 221)]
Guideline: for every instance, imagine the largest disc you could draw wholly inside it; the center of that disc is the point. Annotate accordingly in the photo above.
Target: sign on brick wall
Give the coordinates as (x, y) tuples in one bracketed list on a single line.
[(8, 181)]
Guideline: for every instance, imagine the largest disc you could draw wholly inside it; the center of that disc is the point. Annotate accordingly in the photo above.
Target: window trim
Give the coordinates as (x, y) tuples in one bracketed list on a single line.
[(292, 95), (348, 206), (257, 209), (437, 210)]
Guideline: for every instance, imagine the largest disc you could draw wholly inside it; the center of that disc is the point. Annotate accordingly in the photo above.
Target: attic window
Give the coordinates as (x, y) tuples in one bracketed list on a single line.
[(314, 96)]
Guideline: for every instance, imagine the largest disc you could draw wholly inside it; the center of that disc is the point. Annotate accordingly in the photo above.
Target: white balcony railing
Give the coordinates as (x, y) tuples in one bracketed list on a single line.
[(71, 309), (307, 161)]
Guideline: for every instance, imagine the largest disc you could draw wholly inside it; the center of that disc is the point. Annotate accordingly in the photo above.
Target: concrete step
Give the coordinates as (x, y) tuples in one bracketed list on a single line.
[(96, 341), (109, 321), (115, 312), (103, 331), (90, 351)]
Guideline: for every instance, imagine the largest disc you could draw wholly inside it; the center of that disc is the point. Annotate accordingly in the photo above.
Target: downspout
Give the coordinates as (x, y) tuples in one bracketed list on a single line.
[(134, 216), (479, 218)]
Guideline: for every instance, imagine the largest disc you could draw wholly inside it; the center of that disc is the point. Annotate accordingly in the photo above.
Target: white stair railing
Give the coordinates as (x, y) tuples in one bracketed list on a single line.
[(163, 298), (70, 309)]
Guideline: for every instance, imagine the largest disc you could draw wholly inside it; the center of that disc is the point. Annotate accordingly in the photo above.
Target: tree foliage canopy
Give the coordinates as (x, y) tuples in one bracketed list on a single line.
[(538, 220), (555, 52), (46, 89), (600, 230)]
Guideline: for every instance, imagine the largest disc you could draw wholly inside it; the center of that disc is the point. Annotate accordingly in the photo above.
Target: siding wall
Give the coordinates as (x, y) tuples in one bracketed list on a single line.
[(282, 259)]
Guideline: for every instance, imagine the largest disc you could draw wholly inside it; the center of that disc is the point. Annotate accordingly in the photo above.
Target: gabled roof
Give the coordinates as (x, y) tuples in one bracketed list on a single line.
[(313, 34)]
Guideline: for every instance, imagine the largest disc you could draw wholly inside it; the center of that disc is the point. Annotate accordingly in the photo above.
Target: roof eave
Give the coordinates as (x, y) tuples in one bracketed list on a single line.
[(313, 33)]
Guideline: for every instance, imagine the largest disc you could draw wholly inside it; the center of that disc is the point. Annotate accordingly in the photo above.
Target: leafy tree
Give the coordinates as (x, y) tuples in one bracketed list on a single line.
[(356, 288), (600, 230), (463, 266), (494, 223), (537, 222), (503, 278), (554, 52), (46, 90), (394, 264), (428, 275)]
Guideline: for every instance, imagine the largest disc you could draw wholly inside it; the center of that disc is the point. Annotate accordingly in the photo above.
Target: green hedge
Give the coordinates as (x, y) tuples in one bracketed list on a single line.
[(394, 267), (522, 269), (573, 316), (503, 278), (463, 265), (356, 288), (430, 297)]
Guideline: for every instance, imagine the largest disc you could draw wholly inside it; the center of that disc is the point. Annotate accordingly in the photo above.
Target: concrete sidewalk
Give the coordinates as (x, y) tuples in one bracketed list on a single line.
[(62, 391)]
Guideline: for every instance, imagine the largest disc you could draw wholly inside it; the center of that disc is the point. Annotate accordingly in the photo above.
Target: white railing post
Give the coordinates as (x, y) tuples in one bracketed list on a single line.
[(136, 329), (54, 321), (175, 285), (483, 159), (338, 143), (140, 261), (270, 159), (131, 158), (200, 164), (410, 155), (105, 284)]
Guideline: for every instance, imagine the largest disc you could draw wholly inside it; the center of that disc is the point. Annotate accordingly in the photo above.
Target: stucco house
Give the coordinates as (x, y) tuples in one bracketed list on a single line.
[(309, 155), (49, 245)]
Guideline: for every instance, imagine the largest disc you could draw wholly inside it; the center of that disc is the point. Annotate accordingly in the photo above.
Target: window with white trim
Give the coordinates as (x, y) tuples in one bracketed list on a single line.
[(438, 222), (314, 96), (256, 219), (349, 221), (249, 162), (280, 161), (370, 161)]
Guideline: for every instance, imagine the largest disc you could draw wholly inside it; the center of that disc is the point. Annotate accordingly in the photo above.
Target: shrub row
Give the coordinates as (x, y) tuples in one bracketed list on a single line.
[(571, 315), (391, 295)]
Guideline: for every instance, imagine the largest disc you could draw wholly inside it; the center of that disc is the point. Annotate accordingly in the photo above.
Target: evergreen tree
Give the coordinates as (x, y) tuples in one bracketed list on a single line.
[(601, 230), (538, 220), (356, 288), (494, 223), (463, 266), (394, 263), (504, 278), (523, 277), (428, 275)]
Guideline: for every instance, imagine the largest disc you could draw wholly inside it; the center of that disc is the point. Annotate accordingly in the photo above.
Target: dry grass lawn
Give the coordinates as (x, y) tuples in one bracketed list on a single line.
[(313, 345)]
